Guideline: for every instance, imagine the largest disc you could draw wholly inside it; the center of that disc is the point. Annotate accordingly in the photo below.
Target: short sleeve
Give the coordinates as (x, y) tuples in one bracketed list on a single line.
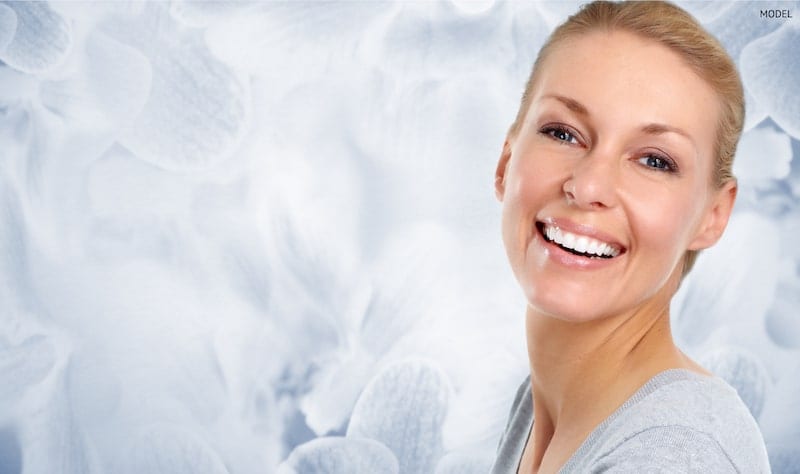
[(666, 450)]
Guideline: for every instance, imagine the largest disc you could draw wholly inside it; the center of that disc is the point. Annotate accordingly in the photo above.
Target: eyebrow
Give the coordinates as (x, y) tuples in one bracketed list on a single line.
[(659, 128), (571, 104)]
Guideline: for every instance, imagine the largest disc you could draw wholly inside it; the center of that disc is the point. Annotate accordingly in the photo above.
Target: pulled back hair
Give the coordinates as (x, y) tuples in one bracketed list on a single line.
[(672, 27)]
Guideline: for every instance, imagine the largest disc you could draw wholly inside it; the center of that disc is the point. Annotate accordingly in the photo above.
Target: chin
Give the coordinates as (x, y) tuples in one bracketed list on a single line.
[(571, 310)]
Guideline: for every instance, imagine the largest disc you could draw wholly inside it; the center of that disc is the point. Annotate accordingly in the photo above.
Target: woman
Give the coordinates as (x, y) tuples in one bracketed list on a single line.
[(615, 173)]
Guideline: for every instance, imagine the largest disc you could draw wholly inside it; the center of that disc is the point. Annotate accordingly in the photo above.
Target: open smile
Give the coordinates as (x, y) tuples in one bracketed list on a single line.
[(576, 244)]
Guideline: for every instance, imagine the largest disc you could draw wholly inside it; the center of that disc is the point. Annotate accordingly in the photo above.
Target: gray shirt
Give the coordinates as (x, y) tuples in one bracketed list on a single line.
[(678, 422)]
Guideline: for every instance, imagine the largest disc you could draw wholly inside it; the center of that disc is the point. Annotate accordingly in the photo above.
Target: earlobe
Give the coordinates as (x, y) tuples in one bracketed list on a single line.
[(500, 173), (716, 218)]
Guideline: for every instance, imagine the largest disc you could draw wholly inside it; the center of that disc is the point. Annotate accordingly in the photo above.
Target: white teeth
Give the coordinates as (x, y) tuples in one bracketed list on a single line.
[(568, 239), (582, 244), (579, 243)]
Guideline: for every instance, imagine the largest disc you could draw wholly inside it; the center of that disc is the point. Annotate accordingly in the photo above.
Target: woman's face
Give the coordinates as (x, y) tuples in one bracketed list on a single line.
[(606, 183)]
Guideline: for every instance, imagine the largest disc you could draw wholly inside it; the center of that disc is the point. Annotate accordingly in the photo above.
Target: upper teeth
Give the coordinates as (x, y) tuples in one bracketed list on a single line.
[(580, 243)]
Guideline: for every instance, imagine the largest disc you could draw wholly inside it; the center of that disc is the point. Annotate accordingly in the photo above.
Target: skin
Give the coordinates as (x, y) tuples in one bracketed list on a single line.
[(618, 139)]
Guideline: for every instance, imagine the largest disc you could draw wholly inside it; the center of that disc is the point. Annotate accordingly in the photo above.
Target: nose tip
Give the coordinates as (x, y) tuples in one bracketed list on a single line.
[(591, 185)]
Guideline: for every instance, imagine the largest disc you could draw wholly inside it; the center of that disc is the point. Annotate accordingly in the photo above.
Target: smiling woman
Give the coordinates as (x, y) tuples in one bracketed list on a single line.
[(615, 173)]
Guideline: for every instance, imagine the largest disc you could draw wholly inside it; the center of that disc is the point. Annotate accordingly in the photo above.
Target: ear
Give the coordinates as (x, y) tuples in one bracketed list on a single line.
[(500, 173), (716, 218)]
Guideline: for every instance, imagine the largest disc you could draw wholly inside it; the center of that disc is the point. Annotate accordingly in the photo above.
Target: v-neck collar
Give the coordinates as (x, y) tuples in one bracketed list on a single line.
[(656, 382)]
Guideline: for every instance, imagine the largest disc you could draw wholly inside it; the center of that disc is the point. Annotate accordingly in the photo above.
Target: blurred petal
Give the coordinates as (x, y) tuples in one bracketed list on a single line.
[(340, 456), (744, 371), (478, 409), (94, 390), (407, 273), (528, 31), (23, 366), (720, 286), (291, 43), (763, 154), (435, 175), (739, 23), (198, 368), (319, 279), (10, 451), (783, 318), (8, 26), (187, 124), (171, 449), (404, 407), (464, 463), (331, 399), (200, 13), (780, 420), (784, 456), (754, 112), (736, 24), (42, 38), (105, 95), (16, 293), (771, 71), (473, 7), (52, 441), (90, 12), (703, 11), (556, 13), (198, 108), (433, 39), (15, 88)]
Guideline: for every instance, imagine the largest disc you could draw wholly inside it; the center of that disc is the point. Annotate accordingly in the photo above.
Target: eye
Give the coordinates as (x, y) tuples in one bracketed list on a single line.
[(560, 133), (659, 163)]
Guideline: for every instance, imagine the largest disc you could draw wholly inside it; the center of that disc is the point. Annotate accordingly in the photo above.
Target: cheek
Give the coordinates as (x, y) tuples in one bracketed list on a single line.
[(535, 180), (523, 197), (663, 225)]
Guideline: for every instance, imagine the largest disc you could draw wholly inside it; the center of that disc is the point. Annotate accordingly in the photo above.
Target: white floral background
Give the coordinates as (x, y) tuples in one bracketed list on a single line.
[(257, 238)]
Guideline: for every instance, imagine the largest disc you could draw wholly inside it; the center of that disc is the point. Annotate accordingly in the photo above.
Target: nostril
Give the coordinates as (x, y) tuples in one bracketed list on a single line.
[(569, 190), (594, 190)]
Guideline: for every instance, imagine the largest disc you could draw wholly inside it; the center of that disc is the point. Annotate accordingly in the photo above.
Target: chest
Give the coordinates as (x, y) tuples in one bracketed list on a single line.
[(556, 454)]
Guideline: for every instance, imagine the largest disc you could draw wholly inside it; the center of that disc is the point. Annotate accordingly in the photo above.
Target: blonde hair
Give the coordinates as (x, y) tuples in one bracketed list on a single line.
[(674, 28)]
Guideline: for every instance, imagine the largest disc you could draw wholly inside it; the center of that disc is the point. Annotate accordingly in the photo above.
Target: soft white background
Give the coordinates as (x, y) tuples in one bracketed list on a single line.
[(229, 229)]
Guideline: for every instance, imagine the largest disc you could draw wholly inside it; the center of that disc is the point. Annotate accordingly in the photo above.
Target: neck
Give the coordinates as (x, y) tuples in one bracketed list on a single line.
[(568, 358), (582, 371)]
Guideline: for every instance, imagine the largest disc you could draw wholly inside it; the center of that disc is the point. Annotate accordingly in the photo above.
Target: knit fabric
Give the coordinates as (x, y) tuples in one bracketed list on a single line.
[(678, 422)]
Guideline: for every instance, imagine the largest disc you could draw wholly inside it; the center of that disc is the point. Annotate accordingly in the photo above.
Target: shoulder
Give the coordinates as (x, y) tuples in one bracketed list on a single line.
[(687, 423), (667, 449)]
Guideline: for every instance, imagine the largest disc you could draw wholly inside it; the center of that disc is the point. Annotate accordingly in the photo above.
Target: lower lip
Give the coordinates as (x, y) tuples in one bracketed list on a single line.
[(569, 259)]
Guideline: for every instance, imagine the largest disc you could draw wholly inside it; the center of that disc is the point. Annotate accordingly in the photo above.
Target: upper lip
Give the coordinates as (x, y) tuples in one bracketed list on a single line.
[(583, 229)]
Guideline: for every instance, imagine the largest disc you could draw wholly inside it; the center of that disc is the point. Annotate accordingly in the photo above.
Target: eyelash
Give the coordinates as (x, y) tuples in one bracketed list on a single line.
[(669, 165), (551, 130)]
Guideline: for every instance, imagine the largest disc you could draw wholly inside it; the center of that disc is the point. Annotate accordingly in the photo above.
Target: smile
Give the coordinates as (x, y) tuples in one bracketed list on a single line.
[(580, 245)]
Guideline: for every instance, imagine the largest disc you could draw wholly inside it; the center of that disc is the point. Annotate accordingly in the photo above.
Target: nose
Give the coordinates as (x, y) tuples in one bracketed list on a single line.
[(593, 183)]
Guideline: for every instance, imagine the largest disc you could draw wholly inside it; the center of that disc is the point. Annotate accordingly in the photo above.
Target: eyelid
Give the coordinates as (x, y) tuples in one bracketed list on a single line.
[(557, 126), (671, 163)]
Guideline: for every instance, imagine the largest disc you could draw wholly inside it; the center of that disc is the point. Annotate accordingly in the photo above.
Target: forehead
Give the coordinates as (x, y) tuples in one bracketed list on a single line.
[(630, 80)]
